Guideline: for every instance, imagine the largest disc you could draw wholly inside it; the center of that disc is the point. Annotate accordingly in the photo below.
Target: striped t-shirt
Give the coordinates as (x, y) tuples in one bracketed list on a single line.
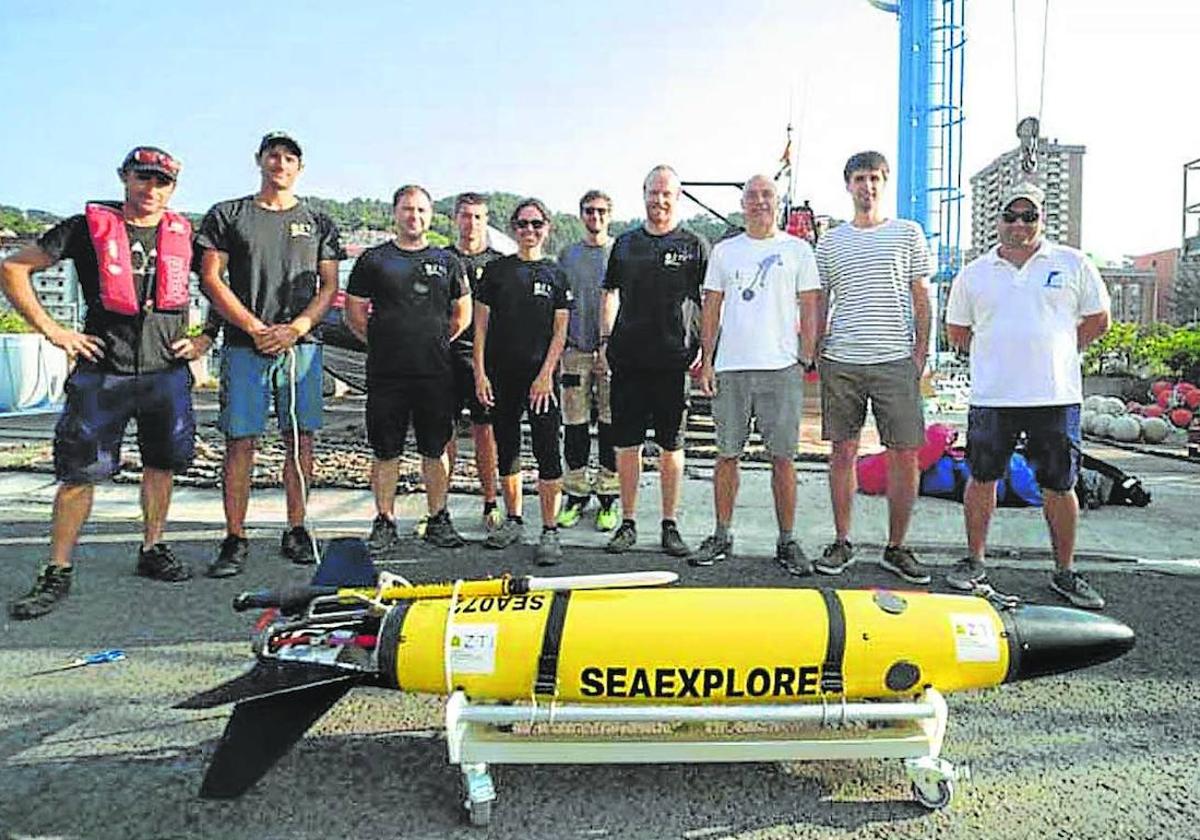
[(867, 274)]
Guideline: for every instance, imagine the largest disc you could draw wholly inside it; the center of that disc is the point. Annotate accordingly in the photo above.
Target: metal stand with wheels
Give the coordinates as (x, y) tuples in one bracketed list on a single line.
[(481, 734)]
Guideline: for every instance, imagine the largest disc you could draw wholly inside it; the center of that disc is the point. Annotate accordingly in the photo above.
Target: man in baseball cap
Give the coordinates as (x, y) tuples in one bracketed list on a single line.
[(279, 138), (131, 258)]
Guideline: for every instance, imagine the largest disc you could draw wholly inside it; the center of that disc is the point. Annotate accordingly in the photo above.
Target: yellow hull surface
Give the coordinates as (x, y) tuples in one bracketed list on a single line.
[(696, 646)]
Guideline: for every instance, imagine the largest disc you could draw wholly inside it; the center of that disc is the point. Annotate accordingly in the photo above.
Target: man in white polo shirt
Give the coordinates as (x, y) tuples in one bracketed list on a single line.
[(1026, 310), (760, 287)]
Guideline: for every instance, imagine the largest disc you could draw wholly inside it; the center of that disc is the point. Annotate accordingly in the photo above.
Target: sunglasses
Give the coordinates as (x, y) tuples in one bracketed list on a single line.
[(595, 211), (161, 180), (1026, 216), (153, 158), (536, 224)]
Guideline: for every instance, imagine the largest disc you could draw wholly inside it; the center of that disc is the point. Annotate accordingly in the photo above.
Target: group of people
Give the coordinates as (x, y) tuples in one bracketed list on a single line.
[(614, 328)]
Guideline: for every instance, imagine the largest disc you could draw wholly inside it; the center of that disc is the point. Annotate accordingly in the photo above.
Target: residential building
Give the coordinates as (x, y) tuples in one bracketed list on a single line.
[(1134, 294), (1059, 173)]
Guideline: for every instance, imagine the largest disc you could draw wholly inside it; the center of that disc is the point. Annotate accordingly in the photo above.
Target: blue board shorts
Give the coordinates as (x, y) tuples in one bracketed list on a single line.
[(99, 406), (251, 382), (1052, 445)]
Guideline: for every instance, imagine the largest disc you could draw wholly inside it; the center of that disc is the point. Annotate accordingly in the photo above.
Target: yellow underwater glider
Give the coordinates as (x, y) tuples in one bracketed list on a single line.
[(866, 668)]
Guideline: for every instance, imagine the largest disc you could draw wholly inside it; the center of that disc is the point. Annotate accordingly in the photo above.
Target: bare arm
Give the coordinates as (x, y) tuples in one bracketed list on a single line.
[(460, 318), (610, 302), (483, 385), (541, 392), (212, 270), (1091, 328), (710, 325), (810, 324), (15, 274), (355, 314), (922, 320), (960, 336)]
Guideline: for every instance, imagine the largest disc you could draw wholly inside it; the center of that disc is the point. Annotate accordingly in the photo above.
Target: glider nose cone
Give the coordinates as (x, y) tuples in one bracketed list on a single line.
[(1051, 640)]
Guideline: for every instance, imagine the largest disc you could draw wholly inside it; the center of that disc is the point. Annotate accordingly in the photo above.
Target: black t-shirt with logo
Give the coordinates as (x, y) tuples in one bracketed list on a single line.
[(659, 278), (522, 297), (412, 295), (273, 256), (133, 343), (474, 265)]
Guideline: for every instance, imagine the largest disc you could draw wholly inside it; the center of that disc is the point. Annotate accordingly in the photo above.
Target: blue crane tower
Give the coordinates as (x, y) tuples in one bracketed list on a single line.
[(929, 168)]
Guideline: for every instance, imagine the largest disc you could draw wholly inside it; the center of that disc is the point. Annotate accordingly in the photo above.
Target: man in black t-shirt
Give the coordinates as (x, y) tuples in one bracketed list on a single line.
[(131, 361), (282, 258), (649, 336), (407, 301), (473, 251), (521, 312)]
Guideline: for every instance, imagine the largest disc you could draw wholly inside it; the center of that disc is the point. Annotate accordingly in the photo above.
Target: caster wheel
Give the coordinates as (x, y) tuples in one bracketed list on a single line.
[(934, 799)]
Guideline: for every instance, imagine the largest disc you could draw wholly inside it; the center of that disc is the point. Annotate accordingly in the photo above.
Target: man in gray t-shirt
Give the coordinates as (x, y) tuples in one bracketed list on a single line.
[(584, 382)]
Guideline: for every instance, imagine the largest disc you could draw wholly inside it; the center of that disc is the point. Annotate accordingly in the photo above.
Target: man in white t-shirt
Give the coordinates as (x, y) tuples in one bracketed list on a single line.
[(1026, 310), (761, 288), (875, 277)]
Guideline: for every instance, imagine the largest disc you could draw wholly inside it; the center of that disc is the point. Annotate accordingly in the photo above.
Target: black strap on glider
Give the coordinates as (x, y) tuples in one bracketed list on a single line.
[(547, 671), (835, 645)]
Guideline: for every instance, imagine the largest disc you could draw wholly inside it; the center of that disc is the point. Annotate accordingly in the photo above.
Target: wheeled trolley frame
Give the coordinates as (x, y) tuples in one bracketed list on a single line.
[(479, 734)]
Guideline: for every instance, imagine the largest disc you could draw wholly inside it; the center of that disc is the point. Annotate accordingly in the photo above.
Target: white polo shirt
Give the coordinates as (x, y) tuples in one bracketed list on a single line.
[(1024, 348)]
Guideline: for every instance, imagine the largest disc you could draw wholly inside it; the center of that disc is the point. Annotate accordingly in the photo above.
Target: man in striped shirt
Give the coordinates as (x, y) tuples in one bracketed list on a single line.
[(875, 280)]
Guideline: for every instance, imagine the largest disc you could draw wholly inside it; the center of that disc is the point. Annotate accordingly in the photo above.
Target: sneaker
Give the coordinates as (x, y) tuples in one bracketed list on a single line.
[(383, 534), (231, 558), (966, 574), (672, 543), (493, 517), (510, 531), (569, 516), (51, 586), (440, 531), (297, 546), (1071, 585), (901, 561), (624, 539), (712, 550), (160, 563), (607, 518), (836, 558), (791, 557), (420, 525), (549, 551)]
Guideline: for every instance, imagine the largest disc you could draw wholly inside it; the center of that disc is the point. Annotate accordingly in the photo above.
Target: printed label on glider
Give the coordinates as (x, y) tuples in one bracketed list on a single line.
[(975, 638), (473, 649)]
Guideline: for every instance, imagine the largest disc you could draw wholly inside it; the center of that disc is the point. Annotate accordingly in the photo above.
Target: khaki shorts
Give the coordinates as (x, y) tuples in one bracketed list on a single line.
[(775, 397), (580, 386), (893, 390)]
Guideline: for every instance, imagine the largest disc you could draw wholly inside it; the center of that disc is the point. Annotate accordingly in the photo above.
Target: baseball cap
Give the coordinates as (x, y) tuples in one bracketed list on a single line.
[(1027, 190), (151, 159), (279, 138)]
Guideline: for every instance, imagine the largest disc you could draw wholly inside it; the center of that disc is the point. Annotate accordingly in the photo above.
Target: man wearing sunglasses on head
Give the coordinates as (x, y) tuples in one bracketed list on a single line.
[(584, 381), (522, 307), (282, 259), (132, 258), (1026, 310)]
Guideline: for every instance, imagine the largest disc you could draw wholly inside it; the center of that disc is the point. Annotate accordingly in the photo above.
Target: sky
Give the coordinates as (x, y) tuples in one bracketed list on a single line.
[(551, 99)]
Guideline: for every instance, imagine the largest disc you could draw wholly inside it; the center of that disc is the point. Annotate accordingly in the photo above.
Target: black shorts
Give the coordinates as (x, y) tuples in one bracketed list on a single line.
[(87, 439), (427, 402), (649, 399), (464, 389)]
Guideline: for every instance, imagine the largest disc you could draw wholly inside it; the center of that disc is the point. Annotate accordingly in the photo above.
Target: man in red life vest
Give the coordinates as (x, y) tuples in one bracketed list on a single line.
[(132, 259)]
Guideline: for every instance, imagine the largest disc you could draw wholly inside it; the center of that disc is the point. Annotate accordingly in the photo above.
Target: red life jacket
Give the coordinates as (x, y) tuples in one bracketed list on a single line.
[(118, 294)]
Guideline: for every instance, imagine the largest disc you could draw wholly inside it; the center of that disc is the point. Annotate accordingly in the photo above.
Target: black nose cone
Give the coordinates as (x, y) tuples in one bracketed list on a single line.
[(1045, 640)]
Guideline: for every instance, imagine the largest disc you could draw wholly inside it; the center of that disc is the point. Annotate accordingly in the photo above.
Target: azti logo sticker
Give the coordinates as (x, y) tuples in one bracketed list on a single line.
[(975, 638), (473, 649)]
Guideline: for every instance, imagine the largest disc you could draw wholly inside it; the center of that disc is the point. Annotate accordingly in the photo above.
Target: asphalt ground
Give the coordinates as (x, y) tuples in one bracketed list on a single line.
[(98, 752)]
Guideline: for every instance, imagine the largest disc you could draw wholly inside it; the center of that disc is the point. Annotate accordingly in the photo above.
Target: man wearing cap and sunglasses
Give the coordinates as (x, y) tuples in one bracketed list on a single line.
[(1026, 310), (282, 259), (132, 258)]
